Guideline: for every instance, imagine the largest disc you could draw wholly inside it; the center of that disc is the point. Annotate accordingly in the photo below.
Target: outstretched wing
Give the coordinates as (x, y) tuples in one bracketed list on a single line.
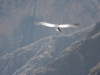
[(46, 24), (68, 25)]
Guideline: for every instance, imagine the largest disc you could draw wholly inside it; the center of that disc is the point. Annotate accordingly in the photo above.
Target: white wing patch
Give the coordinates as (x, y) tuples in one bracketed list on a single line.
[(46, 24), (66, 25)]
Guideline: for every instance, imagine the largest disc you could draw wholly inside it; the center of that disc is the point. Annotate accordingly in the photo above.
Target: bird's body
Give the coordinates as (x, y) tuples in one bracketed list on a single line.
[(57, 26)]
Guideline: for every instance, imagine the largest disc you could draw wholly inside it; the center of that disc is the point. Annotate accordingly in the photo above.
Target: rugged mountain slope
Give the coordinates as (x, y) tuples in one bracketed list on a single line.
[(61, 43), (95, 70), (77, 59), (5, 45), (44, 51), (29, 58)]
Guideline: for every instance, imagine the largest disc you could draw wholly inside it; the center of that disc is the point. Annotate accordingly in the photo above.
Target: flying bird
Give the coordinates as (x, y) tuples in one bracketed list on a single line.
[(57, 26)]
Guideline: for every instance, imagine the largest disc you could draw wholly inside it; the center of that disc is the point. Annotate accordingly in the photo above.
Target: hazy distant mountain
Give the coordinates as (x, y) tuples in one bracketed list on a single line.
[(77, 59), (17, 18)]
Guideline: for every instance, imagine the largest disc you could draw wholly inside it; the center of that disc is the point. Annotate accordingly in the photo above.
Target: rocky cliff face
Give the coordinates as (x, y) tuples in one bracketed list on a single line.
[(77, 59), (95, 70)]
